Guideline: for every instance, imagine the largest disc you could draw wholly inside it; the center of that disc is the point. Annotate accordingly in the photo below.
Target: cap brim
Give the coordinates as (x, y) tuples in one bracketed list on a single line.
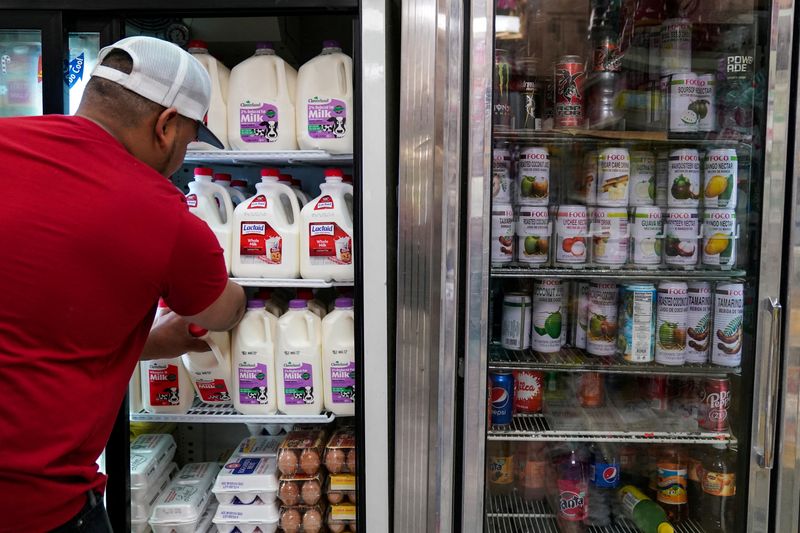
[(204, 135)]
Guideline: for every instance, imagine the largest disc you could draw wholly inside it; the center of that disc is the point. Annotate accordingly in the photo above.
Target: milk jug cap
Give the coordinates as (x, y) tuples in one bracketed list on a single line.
[(297, 304), (222, 177), (197, 44), (255, 303), (333, 174), (265, 48), (305, 294), (286, 178), (238, 183), (343, 303), (203, 171), (330, 43), (272, 174)]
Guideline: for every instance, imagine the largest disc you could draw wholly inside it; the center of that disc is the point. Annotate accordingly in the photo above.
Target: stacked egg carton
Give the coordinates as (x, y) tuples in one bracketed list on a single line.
[(151, 471), (186, 505), (302, 481), (340, 460)]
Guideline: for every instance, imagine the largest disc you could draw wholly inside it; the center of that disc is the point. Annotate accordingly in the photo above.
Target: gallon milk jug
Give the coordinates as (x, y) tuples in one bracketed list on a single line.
[(314, 305), (217, 117), (254, 361), (298, 361), (286, 179), (272, 302), (298, 187), (267, 242), (225, 181), (261, 103), (338, 359), (241, 186), (203, 198), (325, 116), (135, 391), (210, 371), (326, 237)]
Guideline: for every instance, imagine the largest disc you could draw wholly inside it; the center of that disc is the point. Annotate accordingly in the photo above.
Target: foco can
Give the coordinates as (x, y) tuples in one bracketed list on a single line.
[(528, 391), (680, 243), (502, 398), (684, 178), (698, 322), (671, 315), (501, 175), (643, 178), (682, 98), (571, 230), (601, 338), (720, 178), (516, 325), (662, 176), (502, 250), (569, 76), (705, 103), (676, 46), (637, 323), (586, 188), (719, 237), (581, 323), (613, 177), (726, 346), (610, 236), (646, 236), (547, 315), (714, 405), (533, 234), (533, 176)]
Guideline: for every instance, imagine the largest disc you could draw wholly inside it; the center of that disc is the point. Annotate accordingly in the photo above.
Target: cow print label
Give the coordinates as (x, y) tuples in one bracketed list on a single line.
[(298, 383), (258, 122), (327, 118), (253, 389), (343, 381)]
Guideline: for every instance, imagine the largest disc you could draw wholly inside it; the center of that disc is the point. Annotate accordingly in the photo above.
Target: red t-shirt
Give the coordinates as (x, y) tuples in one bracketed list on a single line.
[(91, 238)]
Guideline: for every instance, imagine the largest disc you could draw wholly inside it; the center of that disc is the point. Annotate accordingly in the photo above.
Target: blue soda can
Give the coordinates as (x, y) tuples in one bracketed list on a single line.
[(502, 398)]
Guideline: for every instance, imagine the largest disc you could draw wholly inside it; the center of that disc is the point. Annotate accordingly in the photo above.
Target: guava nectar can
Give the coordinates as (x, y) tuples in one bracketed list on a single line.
[(548, 315), (646, 236), (533, 234), (698, 322), (533, 176), (671, 315), (637, 323), (601, 337), (720, 177), (726, 347)]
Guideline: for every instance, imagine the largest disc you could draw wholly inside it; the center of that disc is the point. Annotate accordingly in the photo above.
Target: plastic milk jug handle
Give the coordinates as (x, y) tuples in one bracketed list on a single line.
[(345, 83), (219, 191), (280, 78), (202, 333), (310, 330), (289, 193)]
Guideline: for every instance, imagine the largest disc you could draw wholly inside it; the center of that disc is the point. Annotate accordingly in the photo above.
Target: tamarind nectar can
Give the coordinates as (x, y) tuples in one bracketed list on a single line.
[(726, 349), (698, 322)]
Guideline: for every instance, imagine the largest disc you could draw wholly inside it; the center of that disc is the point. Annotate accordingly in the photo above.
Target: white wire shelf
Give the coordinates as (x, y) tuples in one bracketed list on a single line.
[(539, 524), (290, 282), (226, 414), (573, 135), (623, 274), (509, 505), (290, 157)]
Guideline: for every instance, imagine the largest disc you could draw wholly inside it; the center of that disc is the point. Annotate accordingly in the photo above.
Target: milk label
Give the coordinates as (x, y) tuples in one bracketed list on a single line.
[(343, 381), (213, 390), (253, 384), (260, 243), (258, 122), (329, 244), (298, 383), (164, 386), (327, 118)]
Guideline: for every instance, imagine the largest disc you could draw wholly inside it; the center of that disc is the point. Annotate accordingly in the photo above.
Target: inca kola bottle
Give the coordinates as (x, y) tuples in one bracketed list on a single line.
[(298, 361), (253, 364), (212, 203), (217, 117), (338, 358)]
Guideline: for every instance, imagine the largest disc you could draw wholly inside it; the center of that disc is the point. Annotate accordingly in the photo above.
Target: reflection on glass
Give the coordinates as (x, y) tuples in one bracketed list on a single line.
[(83, 50), (20, 73)]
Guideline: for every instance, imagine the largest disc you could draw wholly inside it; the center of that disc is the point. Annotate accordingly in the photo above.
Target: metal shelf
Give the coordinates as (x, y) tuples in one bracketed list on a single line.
[(289, 157), (292, 282), (571, 136), (226, 414), (614, 274), (577, 360), (508, 505), (536, 428), (531, 524)]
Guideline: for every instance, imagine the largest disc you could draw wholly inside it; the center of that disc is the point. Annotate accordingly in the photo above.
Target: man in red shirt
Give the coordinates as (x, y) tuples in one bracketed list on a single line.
[(92, 235)]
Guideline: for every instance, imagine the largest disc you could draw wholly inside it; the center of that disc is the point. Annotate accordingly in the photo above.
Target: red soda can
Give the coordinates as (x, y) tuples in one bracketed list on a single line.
[(528, 389), (569, 77), (712, 413), (592, 389), (658, 393)]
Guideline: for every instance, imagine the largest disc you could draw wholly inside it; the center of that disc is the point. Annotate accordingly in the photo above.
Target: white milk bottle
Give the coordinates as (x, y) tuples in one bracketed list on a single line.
[(297, 185), (326, 239), (225, 181), (135, 390), (272, 303), (314, 304), (338, 359), (287, 179), (261, 103), (217, 117), (210, 371), (254, 361), (298, 361), (242, 187), (267, 229), (212, 203), (325, 117)]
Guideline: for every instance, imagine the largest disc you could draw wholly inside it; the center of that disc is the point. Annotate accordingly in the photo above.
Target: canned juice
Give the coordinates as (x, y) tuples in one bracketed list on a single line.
[(705, 103), (533, 235), (662, 177), (719, 237), (698, 322), (569, 77), (547, 315), (533, 176), (581, 323), (726, 347), (587, 187), (501, 175), (682, 98), (613, 177), (571, 231), (502, 249), (528, 391), (637, 324), (676, 46), (643, 178), (601, 338), (720, 178), (591, 391), (610, 236), (565, 299), (684, 178), (680, 246), (646, 236), (673, 307), (516, 325)]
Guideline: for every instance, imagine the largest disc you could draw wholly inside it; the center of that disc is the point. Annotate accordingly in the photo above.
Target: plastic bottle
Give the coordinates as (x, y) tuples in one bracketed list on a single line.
[(226, 182), (326, 239), (261, 103), (673, 478), (298, 360), (135, 390), (217, 117), (272, 304), (267, 243), (212, 204), (573, 490), (314, 305), (695, 480), (338, 359), (500, 467), (288, 180), (325, 116), (719, 490), (253, 378), (648, 516), (604, 479), (298, 187), (530, 462), (210, 371), (242, 187)]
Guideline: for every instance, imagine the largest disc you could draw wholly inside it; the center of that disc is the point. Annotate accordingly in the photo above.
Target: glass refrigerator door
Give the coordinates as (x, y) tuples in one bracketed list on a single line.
[(20, 73), (627, 288)]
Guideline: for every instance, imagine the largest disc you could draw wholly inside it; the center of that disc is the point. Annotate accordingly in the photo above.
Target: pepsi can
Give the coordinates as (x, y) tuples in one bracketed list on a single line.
[(502, 398)]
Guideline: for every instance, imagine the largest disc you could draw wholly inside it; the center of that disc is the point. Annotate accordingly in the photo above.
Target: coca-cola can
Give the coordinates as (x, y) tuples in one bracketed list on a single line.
[(528, 390), (712, 414), (569, 77)]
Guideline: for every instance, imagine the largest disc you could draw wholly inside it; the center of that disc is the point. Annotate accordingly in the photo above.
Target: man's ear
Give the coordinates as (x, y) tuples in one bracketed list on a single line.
[(166, 127)]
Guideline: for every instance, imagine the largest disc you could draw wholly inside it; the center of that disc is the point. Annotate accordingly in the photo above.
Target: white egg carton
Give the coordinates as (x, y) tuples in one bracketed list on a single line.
[(197, 474), (140, 526), (142, 505), (247, 518), (150, 455), (247, 478), (206, 524), (181, 507), (264, 446)]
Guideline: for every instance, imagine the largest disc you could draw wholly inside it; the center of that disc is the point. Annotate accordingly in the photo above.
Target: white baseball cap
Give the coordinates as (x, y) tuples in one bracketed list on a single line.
[(165, 74)]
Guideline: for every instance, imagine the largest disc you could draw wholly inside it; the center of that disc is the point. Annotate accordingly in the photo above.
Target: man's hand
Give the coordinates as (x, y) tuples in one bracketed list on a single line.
[(171, 338)]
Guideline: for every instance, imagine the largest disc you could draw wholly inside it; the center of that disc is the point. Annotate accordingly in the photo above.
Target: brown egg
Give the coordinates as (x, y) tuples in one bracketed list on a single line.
[(351, 461), (290, 521), (287, 462), (312, 521), (309, 461), (351, 495), (289, 493), (336, 527), (311, 492), (335, 497), (334, 460)]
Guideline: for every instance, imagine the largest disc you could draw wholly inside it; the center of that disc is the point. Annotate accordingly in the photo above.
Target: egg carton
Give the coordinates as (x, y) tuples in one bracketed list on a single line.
[(303, 518), (340, 452), (341, 488), (183, 504), (150, 454), (341, 517), (261, 446), (301, 451), (247, 478), (142, 504), (301, 489), (247, 518)]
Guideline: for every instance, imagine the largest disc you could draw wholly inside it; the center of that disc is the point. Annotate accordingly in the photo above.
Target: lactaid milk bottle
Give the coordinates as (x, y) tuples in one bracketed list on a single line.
[(212, 203)]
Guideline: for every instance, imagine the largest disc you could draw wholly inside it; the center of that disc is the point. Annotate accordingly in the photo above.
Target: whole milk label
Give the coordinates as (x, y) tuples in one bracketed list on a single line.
[(164, 385), (329, 244), (343, 381), (258, 122), (260, 243), (213, 390), (253, 389), (327, 118), (298, 383)]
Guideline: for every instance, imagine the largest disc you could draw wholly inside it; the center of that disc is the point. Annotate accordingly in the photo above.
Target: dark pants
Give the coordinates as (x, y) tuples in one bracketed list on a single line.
[(91, 519)]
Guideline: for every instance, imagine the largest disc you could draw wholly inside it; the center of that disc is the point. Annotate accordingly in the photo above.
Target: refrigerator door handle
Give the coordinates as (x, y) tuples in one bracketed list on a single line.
[(767, 453)]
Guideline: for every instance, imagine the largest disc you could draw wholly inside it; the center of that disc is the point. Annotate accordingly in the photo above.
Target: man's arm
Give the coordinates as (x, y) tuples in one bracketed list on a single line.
[(225, 312)]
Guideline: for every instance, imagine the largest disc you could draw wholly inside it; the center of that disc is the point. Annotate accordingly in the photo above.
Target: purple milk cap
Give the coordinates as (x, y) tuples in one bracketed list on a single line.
[(297, 303), (255, 303), (264, 45), (330, 43), (343, 303)]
